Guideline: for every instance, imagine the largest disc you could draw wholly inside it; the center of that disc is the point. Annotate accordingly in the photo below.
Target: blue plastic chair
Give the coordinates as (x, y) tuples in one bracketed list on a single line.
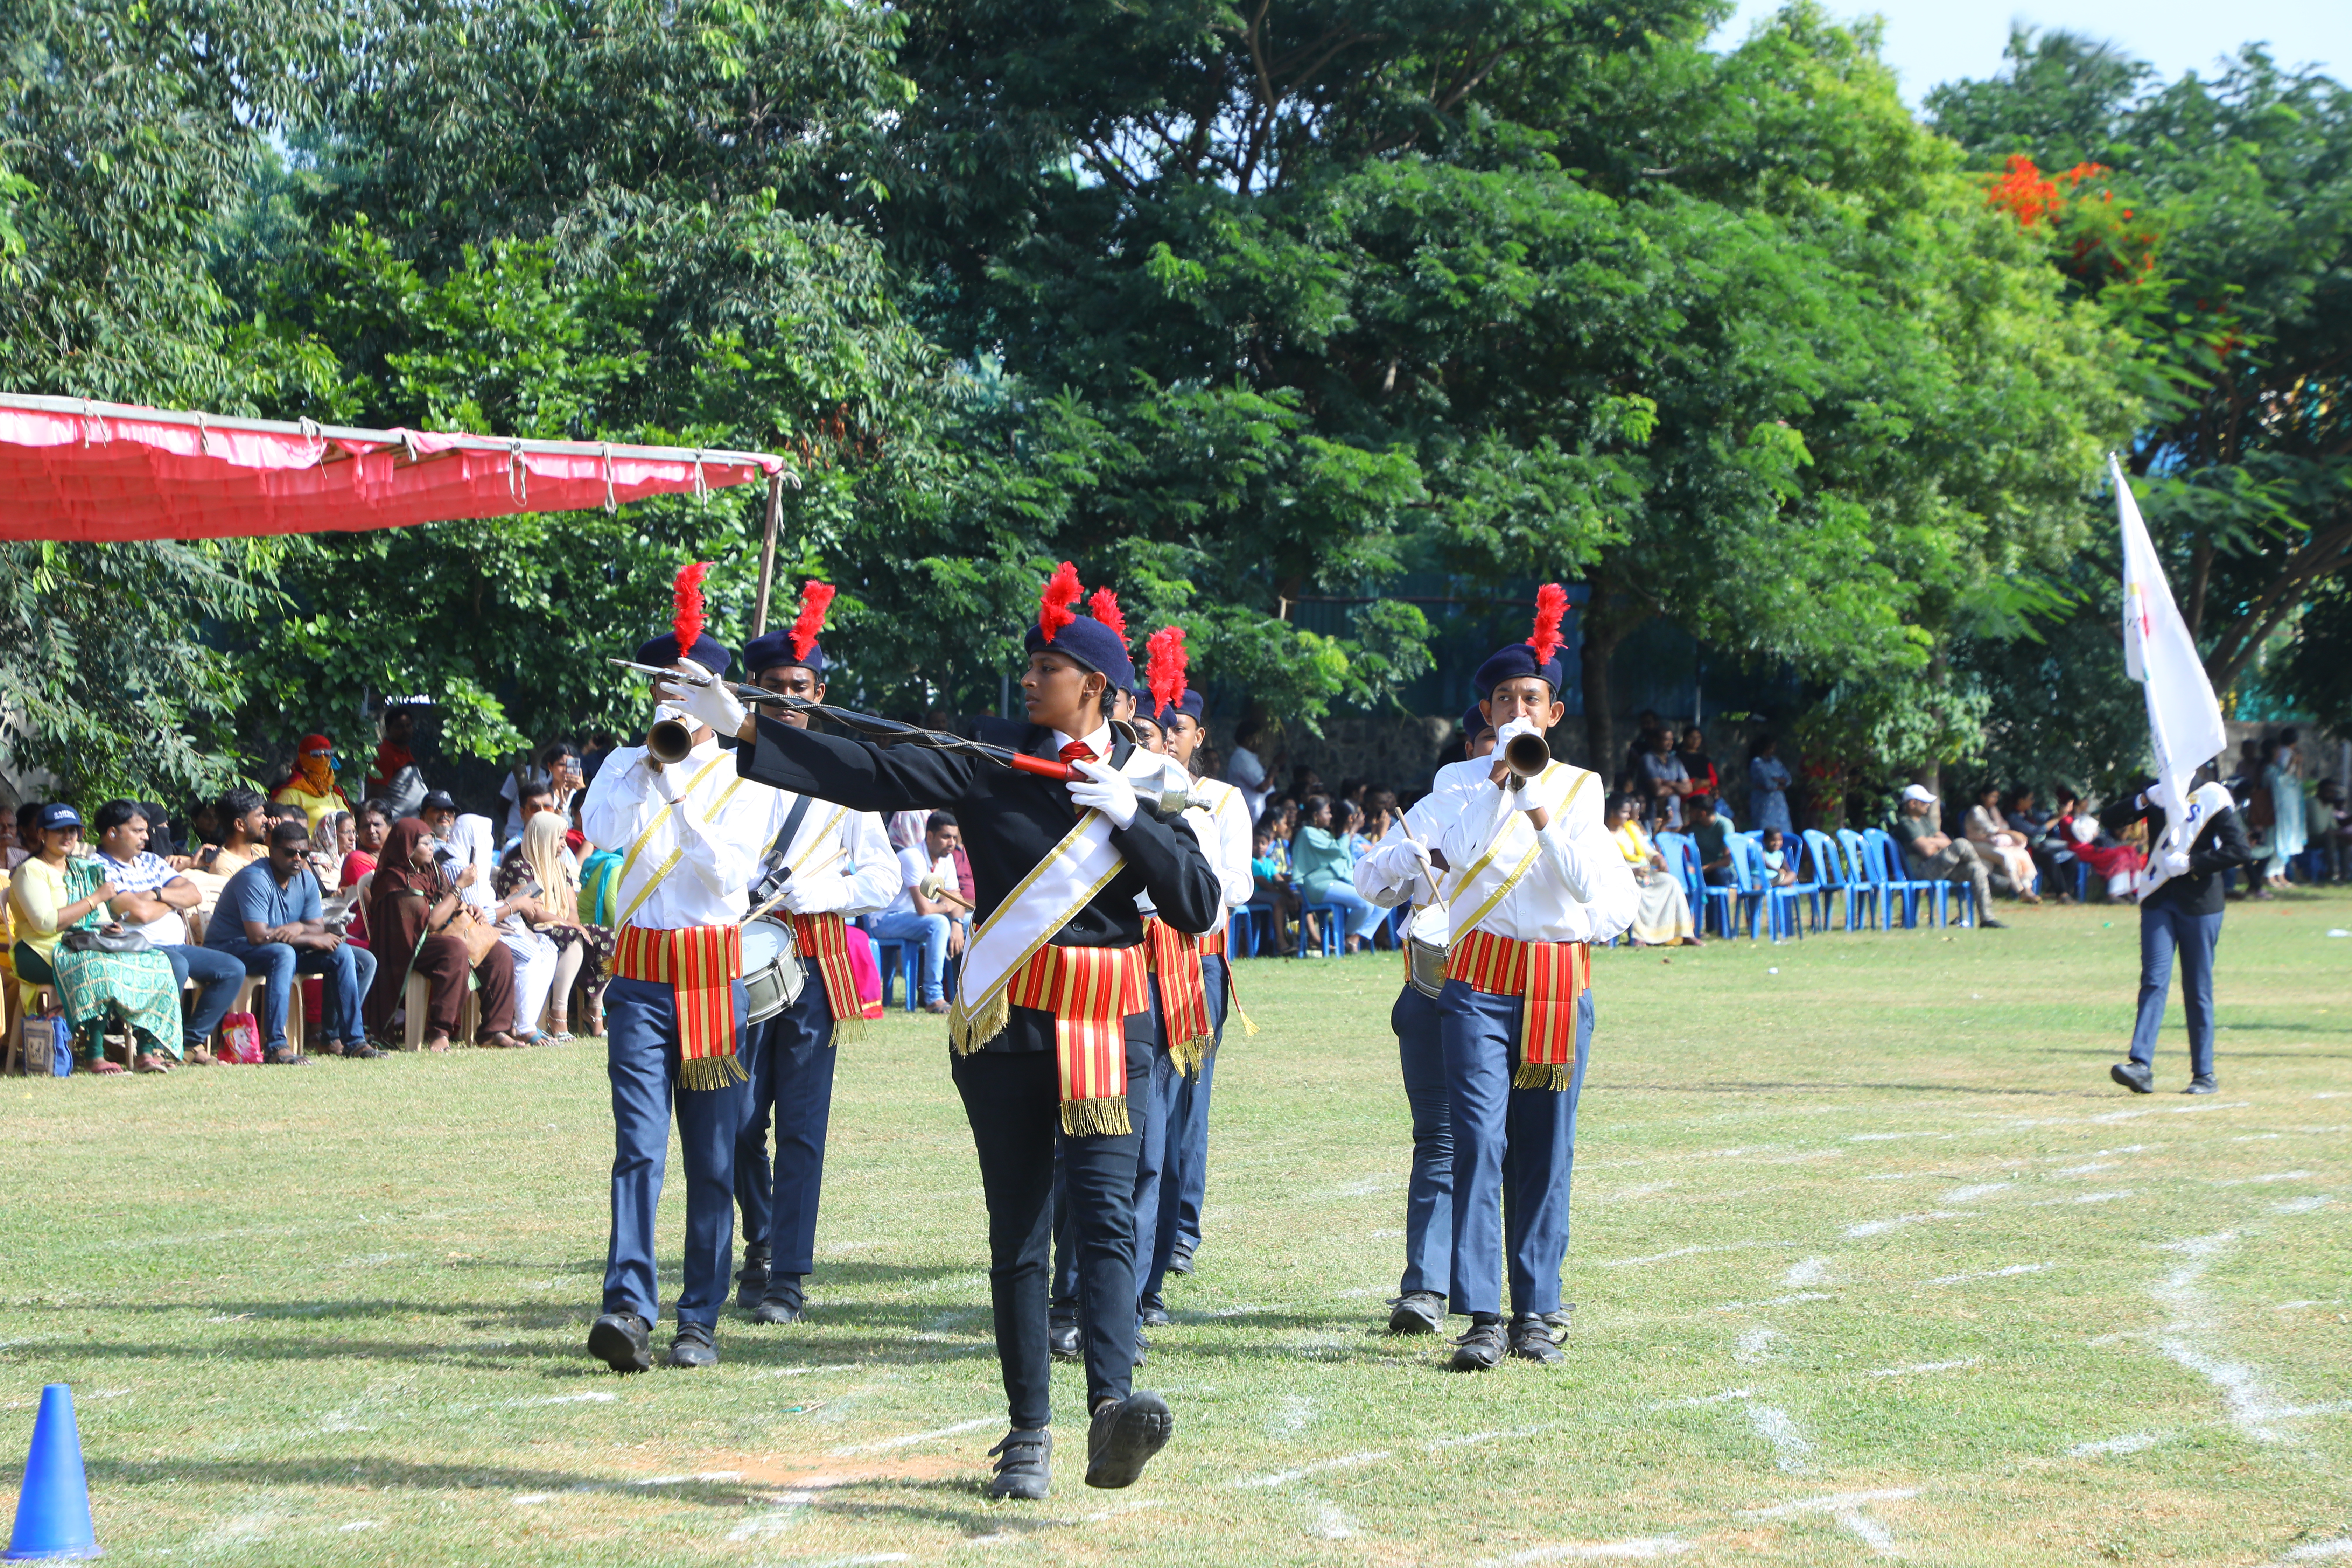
[(1748, 881), (1241, 931), (1825, 877), (1784, 906), (1867, 903), (1682, 859), (1333, 927), (1880, 845)]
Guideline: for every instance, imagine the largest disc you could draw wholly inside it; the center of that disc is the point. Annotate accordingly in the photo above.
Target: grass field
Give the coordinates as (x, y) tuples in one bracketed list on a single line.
[(1870, 1258)]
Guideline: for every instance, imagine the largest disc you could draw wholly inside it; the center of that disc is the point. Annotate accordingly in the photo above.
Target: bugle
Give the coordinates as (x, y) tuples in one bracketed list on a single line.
[(1526, 756), (668, 741)]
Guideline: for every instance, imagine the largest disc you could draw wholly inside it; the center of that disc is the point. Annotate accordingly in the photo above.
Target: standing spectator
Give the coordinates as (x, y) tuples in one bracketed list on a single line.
[(272, 919), (557, 773), (933, 925), (1931, 855), (2001, 847), (397, 777), (1647, 725), (312, 789), (1323, 871), (2332, 829), (1768, 783), (2181, 914), (1663, 778), (2283, 774), (1245, 770), (244, 818), (412, 904), (152, 899), (56, 890), (599, 746), (1697, 766)]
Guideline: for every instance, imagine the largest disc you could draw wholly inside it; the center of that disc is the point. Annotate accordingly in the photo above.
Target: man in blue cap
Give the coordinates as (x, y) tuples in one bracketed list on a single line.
[(1044, 1040), (826, 862), (1532, 880), (690, 833)]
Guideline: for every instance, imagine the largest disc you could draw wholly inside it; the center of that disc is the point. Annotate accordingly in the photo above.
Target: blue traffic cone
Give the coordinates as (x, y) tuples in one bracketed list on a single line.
[(53, 1511)]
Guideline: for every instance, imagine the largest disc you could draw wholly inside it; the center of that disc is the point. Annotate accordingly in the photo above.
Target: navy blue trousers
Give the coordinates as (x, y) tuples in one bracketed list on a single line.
[(2163, 932), (641, 1057), (1184, 1165), (1147, 1115), (1429, 1190), (1516, 1141), (791, 1059)]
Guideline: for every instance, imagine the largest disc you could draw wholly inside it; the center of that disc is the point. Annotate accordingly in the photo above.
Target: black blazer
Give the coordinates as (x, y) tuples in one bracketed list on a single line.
[(2220, 845), (1009, 821)]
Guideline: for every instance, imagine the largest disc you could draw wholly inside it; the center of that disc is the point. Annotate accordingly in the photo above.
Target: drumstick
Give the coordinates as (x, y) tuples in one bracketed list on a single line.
[(778, 897), (1427, 870)]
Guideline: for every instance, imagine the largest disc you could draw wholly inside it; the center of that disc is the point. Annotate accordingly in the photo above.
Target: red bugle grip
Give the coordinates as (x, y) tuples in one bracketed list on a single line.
[(1043, 767)]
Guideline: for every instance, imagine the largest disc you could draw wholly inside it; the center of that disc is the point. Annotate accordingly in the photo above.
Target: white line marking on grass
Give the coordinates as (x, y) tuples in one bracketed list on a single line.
[(2013, 1268), (1688, 1252), (1330, 1524), (1875, 1535), (592, 1398), (1891, 1137), (1469, 1439), (528, 1498), (1880, 1226), (2085, 1170), (1925, 1366), (785, 1511), (2258, 1180), (1981, 1190), (1641, 1546), (681, 1480), (2301, 1205), (2087, 1198), (806, 1371), (912, 1439), (1755, 1345), (1283, 1478), (360, 1525), (1790, 1448), (1728, 1396), (1837, 1502), (2318, 1551), (2128, 1149), (2256, 1137), (2130, 1443), (1777, 1301), (1811, 1271), (2251, 1406), (2186, 1110)]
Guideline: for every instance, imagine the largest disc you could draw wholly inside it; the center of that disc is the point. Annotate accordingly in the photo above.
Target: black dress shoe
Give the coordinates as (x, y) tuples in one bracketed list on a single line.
[(2201, 1084), (1124, 1436), (1417, 1312), (692, 1347), (751, 1283), (1062, 1339), (783, 1302), (1180, 1260), (1480, 1349), (622, 1340), (2134, 1076), (1152, 1313), (1531, 1340), (1025, 1464)]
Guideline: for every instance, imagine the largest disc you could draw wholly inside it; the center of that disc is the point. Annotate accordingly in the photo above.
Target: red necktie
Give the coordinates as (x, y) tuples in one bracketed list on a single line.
[(1078, 751)]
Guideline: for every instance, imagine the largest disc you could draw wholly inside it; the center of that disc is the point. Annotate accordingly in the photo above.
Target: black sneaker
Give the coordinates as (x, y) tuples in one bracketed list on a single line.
[(2134, 1076), (1025, 1464), (622, 1340), (783, 1302), (692, 1347), (2201, 1084), (1124, 1436), (1417, 1312), (1480, 1349), (1062, 1339), (1531, 1340), (751, 1282), (1152, 1313)]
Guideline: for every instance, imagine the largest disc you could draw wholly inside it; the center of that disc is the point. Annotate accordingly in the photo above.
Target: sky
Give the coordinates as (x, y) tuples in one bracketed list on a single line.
[(1932, 41)]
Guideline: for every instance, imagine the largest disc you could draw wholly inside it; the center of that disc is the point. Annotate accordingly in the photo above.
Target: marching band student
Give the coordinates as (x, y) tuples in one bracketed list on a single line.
[(1181, 1085), (1391, 874), (826, 862), (690, 835), (1044, 1032), (1533, 881)]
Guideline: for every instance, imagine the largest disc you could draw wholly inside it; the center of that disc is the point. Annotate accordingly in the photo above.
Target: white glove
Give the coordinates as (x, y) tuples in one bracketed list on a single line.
[(713, 704), (1521, 799), (2175, 863), (2158, 794), (1104, 788), (811, 895), (1414, 851)]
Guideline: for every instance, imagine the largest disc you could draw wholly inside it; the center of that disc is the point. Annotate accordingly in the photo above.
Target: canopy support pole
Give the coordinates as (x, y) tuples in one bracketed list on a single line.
[(768, 553)]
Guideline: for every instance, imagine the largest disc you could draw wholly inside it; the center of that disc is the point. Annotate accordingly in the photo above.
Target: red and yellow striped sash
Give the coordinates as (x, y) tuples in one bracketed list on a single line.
[(823, 941), (1176, 958), (701, 965), (1090, 991), (1551, 976)]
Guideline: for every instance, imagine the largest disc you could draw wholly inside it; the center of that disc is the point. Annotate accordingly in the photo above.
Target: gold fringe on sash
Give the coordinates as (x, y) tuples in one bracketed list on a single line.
[(1104, 1118)]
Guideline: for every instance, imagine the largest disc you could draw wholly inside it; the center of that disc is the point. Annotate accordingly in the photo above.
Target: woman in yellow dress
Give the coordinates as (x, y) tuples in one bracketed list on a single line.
[(1663, 918)]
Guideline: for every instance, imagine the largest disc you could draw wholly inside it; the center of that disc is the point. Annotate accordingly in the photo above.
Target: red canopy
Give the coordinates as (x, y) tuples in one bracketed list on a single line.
[(75, 469)]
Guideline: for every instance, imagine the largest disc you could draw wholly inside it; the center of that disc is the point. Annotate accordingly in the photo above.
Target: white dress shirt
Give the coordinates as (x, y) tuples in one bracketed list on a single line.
[(718, 831), (1389, 873), (1223, 831), (1580, 887), (842, 861)]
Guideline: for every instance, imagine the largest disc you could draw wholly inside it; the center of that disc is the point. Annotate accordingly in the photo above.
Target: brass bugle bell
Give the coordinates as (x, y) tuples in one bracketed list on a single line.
[(668, 742), (1525, 755)]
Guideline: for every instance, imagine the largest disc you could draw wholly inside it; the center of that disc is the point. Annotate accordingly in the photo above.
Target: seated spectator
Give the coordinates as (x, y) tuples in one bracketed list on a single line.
[(313, 788), (272, 919), (369, 825), (536, 799), (1931, 855), (560, 948), (2001, 847), (1663, 918), (1779, 866), (1664, 780), (933, 925), (58, 891), (1323, 869), (1697, 765), (243, 817), (1711, 837), (467, 840), (153, 900), (416, 911), (332, 840), (1271, 894), (1767, 786)]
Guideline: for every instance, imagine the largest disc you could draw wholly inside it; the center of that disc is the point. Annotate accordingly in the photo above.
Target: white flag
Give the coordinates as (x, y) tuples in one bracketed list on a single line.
[(2184, 721)]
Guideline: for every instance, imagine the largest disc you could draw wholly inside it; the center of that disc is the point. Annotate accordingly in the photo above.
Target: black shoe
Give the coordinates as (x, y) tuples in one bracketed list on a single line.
[(1124, 1436), (2201, 1084), (1531, 1340), (2134, 1076), (1417, 1312), (622, 1340), (1152, 1313), (692, 1347), (1024, 1464), (783, 1302), (1559, 1321), (1480, 1349), (751, 1282), (1989, 923), (1180, 1261), (1062, 1339)]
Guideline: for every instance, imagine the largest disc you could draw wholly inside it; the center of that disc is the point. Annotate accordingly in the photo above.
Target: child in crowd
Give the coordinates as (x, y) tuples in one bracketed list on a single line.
[(1780, 870)]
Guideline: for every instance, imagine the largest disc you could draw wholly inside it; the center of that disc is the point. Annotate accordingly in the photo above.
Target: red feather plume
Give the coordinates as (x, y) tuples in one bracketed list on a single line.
[(687, 590), (1053, 605), (1165, 670), (815, 599), (1104, 606), (1552, 603)]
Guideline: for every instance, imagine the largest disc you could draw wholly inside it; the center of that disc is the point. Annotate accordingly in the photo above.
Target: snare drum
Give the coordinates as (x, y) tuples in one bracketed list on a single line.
[(772, 975), (1424, 959)]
